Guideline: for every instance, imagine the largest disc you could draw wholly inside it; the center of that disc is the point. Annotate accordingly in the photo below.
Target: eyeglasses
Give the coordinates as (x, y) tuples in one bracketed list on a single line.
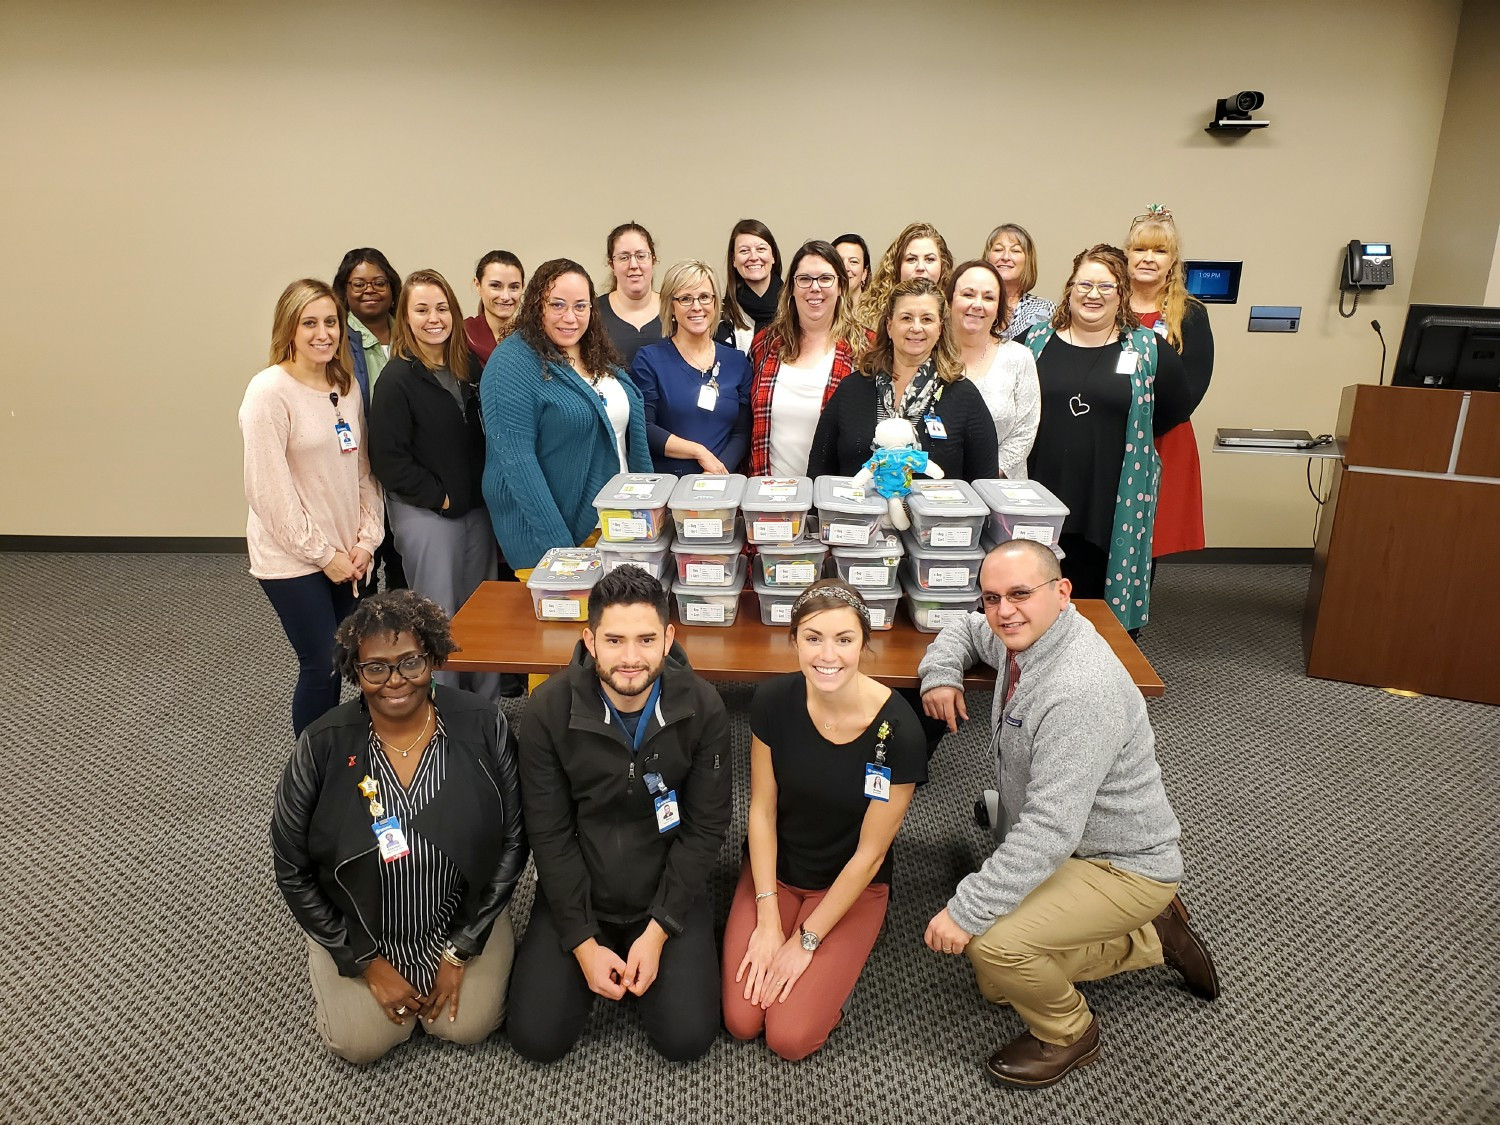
[(1104, 288), (377, 672), (1017, 596), (359, 285), (625, 257), (688, 300), (557, 308), (822, 280)]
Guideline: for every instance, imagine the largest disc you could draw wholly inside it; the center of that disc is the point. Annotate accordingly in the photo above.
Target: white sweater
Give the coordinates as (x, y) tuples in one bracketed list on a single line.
[(1011, 391)]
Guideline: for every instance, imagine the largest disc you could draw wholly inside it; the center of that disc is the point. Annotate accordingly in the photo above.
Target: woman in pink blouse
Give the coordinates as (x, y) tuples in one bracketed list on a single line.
[(316, 514)]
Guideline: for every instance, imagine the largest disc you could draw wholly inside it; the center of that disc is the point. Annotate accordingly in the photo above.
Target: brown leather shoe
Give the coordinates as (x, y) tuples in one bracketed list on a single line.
[(1184, 951), (1027, 1061)]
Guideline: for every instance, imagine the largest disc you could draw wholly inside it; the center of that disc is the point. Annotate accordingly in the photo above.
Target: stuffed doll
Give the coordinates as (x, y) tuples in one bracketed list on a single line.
[(897, 456)]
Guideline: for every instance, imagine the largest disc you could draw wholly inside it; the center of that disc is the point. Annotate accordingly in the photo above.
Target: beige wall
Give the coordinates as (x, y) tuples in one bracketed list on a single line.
[(170, 167), (1463, 207)]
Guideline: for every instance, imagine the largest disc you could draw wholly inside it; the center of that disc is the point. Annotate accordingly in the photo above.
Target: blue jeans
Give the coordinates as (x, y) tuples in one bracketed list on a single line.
[(310, 608)]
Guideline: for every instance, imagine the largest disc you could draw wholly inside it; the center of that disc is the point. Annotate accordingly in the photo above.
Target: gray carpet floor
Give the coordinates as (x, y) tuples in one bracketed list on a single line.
[(1336, 839)]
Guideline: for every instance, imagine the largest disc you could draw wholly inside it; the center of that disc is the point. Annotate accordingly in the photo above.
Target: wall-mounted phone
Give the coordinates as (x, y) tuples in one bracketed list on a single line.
[(1367, 265)]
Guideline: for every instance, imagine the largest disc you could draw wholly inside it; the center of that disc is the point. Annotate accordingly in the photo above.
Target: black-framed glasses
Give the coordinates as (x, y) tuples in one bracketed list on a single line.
[(821, 280), (379, 284), (1018, 596), (1105, 288), (413, 667)]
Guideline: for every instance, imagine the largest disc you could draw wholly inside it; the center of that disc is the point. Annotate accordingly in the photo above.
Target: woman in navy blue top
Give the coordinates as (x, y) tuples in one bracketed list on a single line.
[(696, 391)]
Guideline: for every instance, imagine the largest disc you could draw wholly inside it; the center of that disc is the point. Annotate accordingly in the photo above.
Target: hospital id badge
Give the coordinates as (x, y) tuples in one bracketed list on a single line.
[(1126, 364), (935, 427), (708, 397), (668, 814), (347, 444), (877, 782), (390, 838)]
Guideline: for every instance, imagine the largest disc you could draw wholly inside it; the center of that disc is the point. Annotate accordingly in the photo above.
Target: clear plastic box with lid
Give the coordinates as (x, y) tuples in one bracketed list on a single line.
[(775, 508), (1022, 509), (704, 506), (946, 514), (633, 507), (561, 582)]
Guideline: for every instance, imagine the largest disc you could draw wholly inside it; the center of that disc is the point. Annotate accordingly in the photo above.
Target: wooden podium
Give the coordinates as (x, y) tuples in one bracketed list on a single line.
[(1405, 588)]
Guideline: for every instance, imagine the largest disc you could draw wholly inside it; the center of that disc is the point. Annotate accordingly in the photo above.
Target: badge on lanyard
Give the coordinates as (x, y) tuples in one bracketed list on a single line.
[(391, 839), (1160, 328), (341, 428), (1126, 364), (935, 427), (877, 773), (708, 394), (668, 812)]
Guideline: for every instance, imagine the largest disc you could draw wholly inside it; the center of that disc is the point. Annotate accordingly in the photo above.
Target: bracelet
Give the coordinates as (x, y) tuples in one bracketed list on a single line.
[(452, 956), (765, 894)]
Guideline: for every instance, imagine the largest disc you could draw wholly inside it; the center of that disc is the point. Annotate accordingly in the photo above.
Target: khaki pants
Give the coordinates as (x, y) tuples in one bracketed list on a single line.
[(1087, 921), (354, 1027)]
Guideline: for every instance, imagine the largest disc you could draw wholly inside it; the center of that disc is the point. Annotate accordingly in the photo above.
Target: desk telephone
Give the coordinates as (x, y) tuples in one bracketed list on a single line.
[(1367, 265)]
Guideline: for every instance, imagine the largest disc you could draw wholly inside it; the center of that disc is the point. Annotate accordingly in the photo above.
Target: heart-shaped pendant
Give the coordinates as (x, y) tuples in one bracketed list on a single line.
[(1078, 406)]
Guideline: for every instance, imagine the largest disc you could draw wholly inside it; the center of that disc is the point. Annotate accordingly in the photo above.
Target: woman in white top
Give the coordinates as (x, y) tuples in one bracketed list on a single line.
[(1003, 370), (316, 515), (799, 360)]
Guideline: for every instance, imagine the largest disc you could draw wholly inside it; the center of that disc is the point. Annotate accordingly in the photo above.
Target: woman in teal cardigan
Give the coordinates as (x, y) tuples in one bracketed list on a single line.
[(560, 418)]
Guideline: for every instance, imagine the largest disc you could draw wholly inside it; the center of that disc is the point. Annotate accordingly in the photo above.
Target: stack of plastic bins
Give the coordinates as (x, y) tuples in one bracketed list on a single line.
[(561, 582), (708, 564), (713, 604), (705, 507), (633, 507)]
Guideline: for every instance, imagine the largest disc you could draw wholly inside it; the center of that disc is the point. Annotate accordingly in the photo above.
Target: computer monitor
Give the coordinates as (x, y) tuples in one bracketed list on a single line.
[(1452, 346)]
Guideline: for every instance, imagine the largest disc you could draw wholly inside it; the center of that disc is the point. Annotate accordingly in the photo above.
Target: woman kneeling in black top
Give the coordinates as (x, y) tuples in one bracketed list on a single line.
[(912, 370), (834, 761)]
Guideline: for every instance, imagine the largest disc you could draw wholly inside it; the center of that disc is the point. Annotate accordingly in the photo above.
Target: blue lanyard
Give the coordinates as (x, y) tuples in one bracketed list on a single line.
[(640, 726)]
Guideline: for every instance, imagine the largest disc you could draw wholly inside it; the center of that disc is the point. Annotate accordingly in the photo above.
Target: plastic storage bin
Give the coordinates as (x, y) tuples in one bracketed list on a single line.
[(775, 605), (708, 564), (883, 609), (1022, 509), (633, 507), (934, 569), (791, 566), (561, 582), (650, 557), (946, 514), (776, 508), (870, 569), (988, 544), (704, 506), (932, 610), (710, 605), (847, 516)]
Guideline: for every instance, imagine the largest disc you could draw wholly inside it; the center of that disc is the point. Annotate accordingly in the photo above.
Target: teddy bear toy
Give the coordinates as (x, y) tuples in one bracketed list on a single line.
[(897, 456)]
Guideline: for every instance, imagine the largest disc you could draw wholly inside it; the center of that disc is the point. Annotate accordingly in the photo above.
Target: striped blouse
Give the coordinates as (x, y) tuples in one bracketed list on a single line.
[(421, 891)]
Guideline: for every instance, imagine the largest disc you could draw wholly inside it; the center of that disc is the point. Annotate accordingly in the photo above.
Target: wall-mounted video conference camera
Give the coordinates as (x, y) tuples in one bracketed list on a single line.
[(1232, 114)]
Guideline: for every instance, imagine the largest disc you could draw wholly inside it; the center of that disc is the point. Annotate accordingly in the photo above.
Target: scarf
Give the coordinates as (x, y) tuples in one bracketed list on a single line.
[(761, 310), (924, 389)]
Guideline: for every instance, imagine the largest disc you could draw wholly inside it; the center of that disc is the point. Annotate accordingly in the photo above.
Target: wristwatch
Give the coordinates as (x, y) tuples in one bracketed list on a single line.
[(810, 940)]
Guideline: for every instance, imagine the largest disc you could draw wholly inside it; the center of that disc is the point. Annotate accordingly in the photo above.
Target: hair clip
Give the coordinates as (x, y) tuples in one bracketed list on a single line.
[(1156, 212)]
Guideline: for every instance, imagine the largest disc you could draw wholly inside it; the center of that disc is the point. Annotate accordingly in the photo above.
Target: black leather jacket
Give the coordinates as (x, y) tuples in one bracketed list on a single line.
[(326, 859)]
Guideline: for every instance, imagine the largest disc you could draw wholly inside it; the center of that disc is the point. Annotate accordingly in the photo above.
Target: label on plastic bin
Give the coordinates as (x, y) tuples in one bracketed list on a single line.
[(704, 611), (1017, 493), (560, 609), (851, 534), (710, 484), (1036, 532), (864, 577), (877, 616), (781, 614), (947, 576), (772, 531), (947, 494), (941, 618), (777, 488), (707, 574), (952, 536), (702, 529), (846, 493), (794, 574), (623, 527), (628, 490)]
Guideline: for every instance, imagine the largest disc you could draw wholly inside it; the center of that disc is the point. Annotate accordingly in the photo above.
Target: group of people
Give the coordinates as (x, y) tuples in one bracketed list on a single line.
[(619, 783), (502, 431)]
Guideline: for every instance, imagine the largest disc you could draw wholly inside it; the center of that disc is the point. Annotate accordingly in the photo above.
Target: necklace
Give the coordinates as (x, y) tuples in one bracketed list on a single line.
[(1078, 405), (837, 719), (979, 368), (388, 747)]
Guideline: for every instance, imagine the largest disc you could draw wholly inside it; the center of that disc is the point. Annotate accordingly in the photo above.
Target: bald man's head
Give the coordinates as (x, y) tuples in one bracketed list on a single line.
[(1024, 592)]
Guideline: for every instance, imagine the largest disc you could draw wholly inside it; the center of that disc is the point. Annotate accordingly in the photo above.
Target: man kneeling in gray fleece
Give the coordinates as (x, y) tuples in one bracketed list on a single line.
[(1084, 881)]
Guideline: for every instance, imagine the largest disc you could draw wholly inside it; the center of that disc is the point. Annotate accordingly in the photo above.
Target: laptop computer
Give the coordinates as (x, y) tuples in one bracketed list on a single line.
[(1271, 439)]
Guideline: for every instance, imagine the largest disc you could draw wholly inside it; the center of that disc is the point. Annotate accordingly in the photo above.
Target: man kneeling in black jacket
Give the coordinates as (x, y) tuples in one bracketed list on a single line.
[(625, 785)]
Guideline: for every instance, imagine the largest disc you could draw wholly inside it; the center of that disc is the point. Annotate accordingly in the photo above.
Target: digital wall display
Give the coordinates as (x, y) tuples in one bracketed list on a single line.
[(1214, 283)]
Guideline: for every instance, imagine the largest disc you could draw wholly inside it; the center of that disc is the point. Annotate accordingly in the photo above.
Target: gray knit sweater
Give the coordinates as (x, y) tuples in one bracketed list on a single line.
[(1075, 758)]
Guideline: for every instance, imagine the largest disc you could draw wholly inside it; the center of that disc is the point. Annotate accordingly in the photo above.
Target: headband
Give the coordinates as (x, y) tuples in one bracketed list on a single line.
[(1156, 212), (838, 592)]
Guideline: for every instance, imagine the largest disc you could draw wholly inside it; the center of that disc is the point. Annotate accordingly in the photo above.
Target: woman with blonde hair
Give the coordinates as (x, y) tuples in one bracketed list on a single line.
[(695, 390), (427, 451), (1159, 296), (1010, 250), (799, 360), (315, 512), (918, 251), (912, 370)]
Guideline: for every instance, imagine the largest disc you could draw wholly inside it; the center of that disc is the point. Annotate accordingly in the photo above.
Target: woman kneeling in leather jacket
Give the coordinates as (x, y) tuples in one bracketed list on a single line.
[(398, 840)]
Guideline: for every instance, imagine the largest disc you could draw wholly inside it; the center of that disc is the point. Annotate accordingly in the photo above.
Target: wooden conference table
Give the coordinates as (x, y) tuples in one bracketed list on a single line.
[(497, 631)]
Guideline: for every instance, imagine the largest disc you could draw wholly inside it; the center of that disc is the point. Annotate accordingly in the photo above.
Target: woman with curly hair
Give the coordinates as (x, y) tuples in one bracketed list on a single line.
[(1010, 250), (799, 360), (911, 371), (1107, 392), (1159, 296), (918, 251), (560, 419), (405, 913)]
